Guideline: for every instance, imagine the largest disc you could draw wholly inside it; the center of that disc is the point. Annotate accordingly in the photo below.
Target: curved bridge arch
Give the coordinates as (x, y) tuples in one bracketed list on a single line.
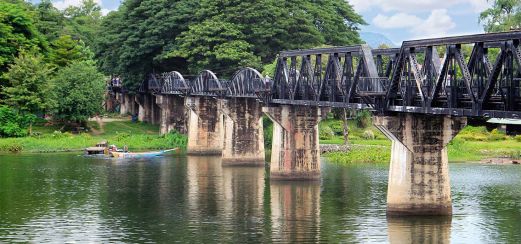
[(207, 84), (247, 82), (174, 83)]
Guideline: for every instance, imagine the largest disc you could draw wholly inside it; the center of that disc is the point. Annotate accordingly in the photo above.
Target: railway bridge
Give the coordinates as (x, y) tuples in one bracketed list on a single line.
[(421, 95)]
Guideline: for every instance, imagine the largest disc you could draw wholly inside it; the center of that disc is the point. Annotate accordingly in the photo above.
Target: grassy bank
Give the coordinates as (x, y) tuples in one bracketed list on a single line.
[(137, 136), (471, 144)]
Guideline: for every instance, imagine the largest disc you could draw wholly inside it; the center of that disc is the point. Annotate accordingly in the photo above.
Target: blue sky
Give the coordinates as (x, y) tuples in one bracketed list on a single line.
[(399, 20)]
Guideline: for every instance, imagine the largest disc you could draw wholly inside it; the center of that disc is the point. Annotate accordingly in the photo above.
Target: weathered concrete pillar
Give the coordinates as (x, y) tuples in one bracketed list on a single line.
[(142, 103), (205, 132), (295, 151), (124, 107), (419, 175), (243, 132), (173, 113)]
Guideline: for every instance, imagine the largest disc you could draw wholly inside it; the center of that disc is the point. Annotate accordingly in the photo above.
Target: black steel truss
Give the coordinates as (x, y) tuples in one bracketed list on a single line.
[(434, 76)]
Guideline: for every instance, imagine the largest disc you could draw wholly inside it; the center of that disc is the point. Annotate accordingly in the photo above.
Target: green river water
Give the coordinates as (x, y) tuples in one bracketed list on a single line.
[(64, 198)]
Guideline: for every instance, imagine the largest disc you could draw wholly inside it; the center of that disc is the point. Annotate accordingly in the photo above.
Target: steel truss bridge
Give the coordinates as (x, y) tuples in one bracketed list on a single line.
[(471, 76)]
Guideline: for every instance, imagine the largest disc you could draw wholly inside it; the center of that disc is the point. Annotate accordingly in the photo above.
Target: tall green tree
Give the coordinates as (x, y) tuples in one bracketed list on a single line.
[(50, 21), (80, 95), (17, 32), (84, 21), (504, 15), (29, 88), (65, 51), (158, 35)]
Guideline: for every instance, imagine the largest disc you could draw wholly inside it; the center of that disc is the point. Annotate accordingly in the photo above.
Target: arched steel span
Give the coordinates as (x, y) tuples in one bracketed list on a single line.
[(248, 83), (175, 84), (207, 84)]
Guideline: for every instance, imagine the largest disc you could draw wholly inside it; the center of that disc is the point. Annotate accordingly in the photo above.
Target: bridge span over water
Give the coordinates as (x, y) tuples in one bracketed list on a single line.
[(421, 95)]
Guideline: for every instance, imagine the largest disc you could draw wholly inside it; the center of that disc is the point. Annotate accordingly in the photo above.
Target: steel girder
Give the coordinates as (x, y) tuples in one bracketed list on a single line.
[(433, 76)]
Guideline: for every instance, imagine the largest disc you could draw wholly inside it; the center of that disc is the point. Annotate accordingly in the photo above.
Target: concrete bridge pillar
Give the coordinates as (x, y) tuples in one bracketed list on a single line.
[(149, 111), (143, 107), (205, 126), (243, 133), (172, 113), (124, 107), (295, 152), (419, 175)]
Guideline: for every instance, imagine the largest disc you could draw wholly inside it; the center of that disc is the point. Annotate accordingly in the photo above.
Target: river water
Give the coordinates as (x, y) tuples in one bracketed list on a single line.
[(67, 198)]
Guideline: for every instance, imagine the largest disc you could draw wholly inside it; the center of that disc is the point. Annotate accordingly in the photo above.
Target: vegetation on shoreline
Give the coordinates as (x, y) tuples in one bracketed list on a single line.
[(137, 136), (471, 144)]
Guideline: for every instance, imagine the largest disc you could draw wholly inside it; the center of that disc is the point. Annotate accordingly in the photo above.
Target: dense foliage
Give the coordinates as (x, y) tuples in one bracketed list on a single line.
[(146, 36), (504, 15), (12, 123), (46, 65)]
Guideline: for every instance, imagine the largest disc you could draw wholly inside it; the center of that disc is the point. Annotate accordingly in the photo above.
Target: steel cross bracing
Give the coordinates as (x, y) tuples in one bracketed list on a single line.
[(475, 75)]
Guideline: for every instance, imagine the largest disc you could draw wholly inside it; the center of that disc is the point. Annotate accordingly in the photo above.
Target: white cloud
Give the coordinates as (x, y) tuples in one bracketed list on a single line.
[(63, 4), (409, 6), (438, 23), (400, 20)]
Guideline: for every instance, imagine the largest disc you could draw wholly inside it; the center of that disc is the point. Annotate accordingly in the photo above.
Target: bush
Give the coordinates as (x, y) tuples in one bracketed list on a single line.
[(496, 135), (13, 147), (326, 133), (368, 135), (337, 127), (363, 119), (518, 138), (12, 123)]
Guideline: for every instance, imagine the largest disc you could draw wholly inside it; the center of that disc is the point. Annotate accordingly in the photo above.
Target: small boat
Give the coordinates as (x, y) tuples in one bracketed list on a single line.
[(140, 154)]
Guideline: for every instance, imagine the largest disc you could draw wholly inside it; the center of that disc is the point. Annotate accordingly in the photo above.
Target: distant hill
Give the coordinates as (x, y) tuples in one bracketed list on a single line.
[(376, 39)]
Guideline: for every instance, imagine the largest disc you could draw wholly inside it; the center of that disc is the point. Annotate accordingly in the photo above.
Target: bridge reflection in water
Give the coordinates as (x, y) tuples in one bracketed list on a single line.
[(419, 230)]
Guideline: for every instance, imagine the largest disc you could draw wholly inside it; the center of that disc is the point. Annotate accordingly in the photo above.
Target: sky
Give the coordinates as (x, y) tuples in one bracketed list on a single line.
[(399, 20)]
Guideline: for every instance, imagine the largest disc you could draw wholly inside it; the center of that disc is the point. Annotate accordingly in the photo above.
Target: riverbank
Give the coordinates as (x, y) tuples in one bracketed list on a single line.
[(137, 136), (471, 144)]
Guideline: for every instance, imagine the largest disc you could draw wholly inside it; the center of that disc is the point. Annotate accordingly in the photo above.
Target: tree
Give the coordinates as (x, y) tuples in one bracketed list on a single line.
[(17, 32), (12, 123), (50, 21), (504, 15), (84, 21), (28, 87), (146, 36), (80, 95), (65, 50)]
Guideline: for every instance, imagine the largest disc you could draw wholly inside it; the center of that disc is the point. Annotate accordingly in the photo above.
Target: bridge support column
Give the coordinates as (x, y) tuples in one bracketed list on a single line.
[(205, 132), (243, 133), (143, 107), (295, 152), (124, 107), (172, 113), (419, 175)]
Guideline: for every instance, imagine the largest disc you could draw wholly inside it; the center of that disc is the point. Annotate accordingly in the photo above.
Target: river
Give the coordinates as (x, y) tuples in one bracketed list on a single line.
[(67, 198)]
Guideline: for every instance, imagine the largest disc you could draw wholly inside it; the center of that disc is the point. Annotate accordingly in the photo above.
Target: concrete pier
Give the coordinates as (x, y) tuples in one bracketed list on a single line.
[(243, 133), (149, 111), (295, 152), (127, 104), (419, 176), (205, 126), (173, 113)]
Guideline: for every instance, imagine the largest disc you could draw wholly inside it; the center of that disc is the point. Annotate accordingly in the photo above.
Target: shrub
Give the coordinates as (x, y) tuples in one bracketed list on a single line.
[(338, 127), (12, 147), (368, 135), (12, 123), (363, 119), (496, 135), (326, 133), (518, 138)]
